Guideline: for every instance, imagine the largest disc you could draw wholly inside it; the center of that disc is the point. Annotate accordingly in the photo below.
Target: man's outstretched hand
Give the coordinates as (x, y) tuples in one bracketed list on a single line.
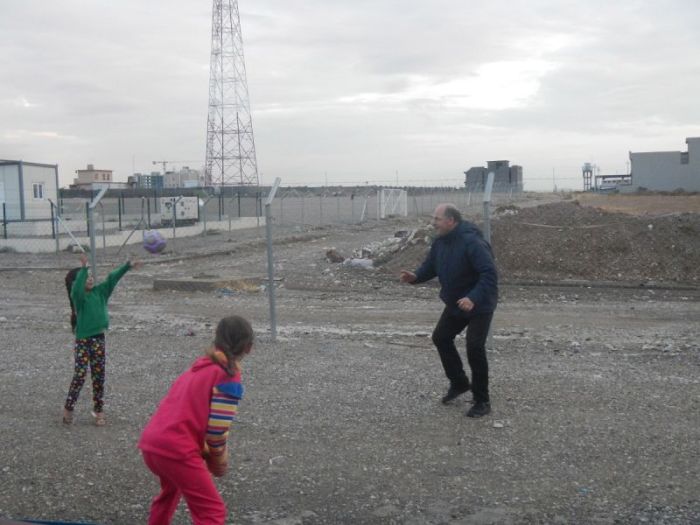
[(407, 277)]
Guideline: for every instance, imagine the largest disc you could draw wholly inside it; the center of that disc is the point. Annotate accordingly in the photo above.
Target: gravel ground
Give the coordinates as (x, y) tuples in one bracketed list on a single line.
[(595, 390)]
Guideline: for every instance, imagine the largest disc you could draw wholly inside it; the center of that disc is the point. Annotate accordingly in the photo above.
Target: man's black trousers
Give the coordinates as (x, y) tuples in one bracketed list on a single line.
[(447, 328)]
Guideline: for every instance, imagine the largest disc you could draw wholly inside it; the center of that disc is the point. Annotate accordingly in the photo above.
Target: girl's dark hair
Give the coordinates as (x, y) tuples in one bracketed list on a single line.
[(233, 335), (70, 279)]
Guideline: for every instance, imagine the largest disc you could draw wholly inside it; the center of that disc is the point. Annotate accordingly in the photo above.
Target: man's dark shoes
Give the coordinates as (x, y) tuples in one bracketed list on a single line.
[(453, 392), (479, 409)]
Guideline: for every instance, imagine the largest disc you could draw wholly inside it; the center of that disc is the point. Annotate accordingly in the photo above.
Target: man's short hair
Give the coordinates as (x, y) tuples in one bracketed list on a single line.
[(451, 212)]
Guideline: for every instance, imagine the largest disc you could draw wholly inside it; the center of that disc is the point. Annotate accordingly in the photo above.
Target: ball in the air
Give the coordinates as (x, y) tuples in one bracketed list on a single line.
[(153, 241)]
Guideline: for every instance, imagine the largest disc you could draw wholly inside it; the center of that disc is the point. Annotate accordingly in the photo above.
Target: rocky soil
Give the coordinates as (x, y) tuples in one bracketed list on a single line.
[(594, 358)]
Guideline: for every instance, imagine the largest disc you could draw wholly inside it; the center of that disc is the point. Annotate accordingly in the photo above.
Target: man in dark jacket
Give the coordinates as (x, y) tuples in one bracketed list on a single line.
[(462, 261)]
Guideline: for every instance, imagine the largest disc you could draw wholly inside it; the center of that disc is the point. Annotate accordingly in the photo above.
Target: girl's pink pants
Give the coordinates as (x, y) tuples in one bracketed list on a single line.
[(189, 479)]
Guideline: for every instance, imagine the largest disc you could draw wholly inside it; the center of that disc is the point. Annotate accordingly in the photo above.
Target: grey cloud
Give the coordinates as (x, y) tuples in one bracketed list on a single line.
[(128, 82)]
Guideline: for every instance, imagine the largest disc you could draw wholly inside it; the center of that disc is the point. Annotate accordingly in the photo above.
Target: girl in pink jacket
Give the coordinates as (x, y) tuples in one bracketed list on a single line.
[(184, 443)]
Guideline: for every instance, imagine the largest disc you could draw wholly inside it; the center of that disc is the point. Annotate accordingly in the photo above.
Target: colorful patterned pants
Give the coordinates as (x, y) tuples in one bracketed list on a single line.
[(88, 352)]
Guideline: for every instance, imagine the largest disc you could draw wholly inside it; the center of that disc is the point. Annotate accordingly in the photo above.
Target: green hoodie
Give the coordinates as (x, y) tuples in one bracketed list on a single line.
[(91, 307)]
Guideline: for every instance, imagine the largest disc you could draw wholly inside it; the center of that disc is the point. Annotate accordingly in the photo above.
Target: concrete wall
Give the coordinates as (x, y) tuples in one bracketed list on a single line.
[(666, 170)]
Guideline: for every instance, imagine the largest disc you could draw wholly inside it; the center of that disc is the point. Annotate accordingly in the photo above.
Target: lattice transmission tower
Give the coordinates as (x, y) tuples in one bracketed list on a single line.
[(230, 144)]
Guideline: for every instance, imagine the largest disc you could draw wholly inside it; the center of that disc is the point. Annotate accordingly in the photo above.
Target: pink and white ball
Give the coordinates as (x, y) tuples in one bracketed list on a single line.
[(153, 241)]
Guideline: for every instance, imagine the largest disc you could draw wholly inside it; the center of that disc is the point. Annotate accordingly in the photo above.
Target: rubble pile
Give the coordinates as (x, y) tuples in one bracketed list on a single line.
[(567, 241), (377, 253)]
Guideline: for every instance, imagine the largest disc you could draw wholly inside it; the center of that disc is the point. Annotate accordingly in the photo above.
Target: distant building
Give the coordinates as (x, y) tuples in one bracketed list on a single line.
[(25, 189), (184, 178), (506, 178), (152, 181), (666, 170), (91, 178), (602, 183), (612, 182)]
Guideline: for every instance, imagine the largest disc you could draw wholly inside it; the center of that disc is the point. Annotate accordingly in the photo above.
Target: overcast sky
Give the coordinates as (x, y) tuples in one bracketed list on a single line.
[(355, 91)]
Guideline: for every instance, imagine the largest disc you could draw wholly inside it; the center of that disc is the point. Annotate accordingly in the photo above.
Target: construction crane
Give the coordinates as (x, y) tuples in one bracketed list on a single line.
[(166, 162)]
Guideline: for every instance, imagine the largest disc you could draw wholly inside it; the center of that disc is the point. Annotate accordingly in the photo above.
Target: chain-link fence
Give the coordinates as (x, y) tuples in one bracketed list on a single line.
[(122, 218), (111, 227)]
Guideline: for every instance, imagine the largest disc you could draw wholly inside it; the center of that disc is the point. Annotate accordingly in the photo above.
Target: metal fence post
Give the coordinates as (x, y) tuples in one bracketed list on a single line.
[(93, 247), (174, 218), (258, 210), (120, 200), (91, 228), (4, 221), (270, 261), (229, 217), (487, 206), (143, 204), (487, 230), (60, 221), (104, 236), (204, 212), (282, 209), (320, 218), (53, 224)]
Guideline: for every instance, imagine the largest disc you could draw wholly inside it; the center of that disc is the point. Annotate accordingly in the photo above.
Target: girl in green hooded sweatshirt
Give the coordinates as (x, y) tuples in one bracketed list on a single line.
[(90, 320)]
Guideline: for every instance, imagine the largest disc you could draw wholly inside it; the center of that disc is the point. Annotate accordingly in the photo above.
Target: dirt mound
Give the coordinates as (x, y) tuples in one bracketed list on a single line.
[(568, 241)]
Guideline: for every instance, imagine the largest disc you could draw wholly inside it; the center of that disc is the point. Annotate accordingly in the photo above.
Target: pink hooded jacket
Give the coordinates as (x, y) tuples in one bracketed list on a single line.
[(178, 427)]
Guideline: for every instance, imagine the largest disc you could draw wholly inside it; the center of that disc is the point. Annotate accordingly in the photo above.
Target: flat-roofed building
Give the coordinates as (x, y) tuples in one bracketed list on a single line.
[(507, 178), (91, 177), (25, 189), (666, 170)]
